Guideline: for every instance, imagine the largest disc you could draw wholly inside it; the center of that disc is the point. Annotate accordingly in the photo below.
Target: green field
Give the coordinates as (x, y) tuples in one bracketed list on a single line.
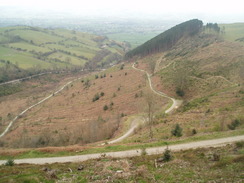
[(233, 31), (67, 58), (29, 47), (32, 47), (22, 59), (135, 39)]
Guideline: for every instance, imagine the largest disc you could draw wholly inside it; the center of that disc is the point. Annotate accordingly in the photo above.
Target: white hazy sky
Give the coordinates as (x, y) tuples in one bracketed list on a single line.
[(221, 6), (216, 8)]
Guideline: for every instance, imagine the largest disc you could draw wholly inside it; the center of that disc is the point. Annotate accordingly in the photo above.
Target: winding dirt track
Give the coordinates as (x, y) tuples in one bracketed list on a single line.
[(176, 103), (136, 122), (131, 153), (22, 79), (27, 109)]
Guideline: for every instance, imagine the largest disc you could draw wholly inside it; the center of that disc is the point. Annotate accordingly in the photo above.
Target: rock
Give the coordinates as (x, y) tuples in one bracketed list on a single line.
[(119, 171), (45, 169), (81, 167), (216, 157), (159, 160), (52, 174)]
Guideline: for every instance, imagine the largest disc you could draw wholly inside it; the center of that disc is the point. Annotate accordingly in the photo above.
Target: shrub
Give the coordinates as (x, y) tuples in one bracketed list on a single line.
[(167, 155), (194, 131), (143, 151), (180, 92), (208, 111), (96, 97), (240, 144), (10, 162), (102, 94), (234, 124), (177, 131), (96, 76), (87, 83), (122, 67), (105, 107), (136, 95)]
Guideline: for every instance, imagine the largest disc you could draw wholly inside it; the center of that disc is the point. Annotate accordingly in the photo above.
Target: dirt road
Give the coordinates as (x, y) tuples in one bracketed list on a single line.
[(22, 79), (136, 122), (176, 103), (131, 153), (40, 102)]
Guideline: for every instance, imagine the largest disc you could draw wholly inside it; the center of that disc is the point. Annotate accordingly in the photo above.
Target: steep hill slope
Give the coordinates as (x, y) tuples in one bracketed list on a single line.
[(91, 109), (167, 39), (204, 70)]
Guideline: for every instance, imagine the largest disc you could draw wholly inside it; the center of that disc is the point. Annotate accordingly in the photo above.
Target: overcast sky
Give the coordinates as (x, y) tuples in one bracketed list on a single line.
[(216, 9)]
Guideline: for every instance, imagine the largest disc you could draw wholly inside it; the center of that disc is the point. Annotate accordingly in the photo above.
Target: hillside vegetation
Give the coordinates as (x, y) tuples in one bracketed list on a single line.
[(200, 68), (28, 50), (205, 71), (167, 39)]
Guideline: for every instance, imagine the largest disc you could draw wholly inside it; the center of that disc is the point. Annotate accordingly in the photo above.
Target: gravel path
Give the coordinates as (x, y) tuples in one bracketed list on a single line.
[(131, 153)]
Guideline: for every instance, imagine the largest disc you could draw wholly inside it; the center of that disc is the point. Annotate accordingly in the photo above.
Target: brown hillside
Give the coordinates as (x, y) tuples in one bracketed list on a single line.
[(72, 117)]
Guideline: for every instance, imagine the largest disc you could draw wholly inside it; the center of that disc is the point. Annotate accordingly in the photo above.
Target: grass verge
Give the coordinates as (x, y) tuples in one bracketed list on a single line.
[(38, 153)]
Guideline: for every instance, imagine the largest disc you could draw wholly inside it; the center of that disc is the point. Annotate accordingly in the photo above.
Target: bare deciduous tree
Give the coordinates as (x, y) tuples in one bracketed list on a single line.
[(150, 110)]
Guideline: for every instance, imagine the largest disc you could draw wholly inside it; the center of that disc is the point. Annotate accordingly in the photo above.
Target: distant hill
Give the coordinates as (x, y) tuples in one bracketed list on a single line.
[(233, 32), (31, 49), (167, 39)]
